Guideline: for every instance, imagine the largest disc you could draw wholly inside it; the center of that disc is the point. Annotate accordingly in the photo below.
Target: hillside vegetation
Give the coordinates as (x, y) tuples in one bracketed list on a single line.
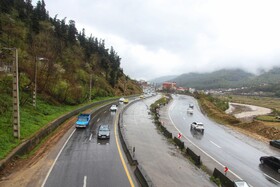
[(68, 64), (66, 59)]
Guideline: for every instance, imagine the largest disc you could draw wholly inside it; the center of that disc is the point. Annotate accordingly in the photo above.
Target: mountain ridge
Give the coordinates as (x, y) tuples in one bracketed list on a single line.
[(225, 78)]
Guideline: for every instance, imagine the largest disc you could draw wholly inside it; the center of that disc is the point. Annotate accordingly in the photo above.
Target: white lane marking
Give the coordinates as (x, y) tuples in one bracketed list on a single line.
[(271, 178), (105, 111), (90, 137), (215, 144), (50, 170), (85, 181), (172, 106), (98, 119)]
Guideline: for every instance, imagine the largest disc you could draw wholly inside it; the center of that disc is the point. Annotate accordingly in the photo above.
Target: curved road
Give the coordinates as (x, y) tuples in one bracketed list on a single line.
[(87, 161), (227, 147), (162, 161)]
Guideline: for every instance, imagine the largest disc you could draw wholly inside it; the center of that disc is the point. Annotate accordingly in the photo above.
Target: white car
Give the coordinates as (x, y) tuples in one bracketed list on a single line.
[(113, 108), (121, 99), (240, 184), (191, 105), (190, 111), (198, 126)]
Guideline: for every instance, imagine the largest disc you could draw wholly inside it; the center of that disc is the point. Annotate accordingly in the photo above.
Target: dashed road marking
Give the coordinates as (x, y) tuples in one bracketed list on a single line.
[(85, 181), (172, 106), (215, 144)]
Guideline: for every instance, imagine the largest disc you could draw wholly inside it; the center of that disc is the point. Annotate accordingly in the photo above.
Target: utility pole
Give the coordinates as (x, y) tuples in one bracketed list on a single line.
[(35, 78), (90, 82), (35, 84), (16, 116)]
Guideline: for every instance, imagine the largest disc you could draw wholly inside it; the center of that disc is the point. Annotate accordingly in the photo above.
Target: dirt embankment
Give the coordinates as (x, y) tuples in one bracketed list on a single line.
[(241, 111), (238, 113)]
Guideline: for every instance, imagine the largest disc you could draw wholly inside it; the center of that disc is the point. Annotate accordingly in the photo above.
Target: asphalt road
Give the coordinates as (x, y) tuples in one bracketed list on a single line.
[(87, 161), (161, 160), (228, 148)]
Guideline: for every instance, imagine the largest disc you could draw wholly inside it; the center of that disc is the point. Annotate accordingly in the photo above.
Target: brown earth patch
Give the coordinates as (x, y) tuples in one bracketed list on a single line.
[(256, 129), (20, 171)]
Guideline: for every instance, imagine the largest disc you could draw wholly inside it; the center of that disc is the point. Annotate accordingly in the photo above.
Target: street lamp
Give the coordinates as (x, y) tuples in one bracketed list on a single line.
[(35, 78)]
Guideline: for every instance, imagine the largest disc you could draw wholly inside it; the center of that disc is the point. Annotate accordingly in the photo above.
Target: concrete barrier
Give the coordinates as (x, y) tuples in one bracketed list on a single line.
[(142, 177), (139, 172), (195, 157), (179, 143), (131, 159), (226, 182)]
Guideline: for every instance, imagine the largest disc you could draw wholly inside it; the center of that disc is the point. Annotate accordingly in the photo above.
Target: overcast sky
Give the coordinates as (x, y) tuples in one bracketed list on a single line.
[(169, 37)]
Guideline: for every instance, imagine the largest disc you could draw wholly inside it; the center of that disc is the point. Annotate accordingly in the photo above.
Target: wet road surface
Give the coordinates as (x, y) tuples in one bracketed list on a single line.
[(87, 161), (228, 148), (163, 163)]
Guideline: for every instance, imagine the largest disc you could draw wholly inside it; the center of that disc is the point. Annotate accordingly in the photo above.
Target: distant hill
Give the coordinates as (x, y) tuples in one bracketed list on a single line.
[(269, 77), (218, 79), (160, 80)]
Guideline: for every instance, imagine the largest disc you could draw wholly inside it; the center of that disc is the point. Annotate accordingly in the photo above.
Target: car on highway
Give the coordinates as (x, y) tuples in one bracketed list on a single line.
[(83, 121), (271, 161), (198, 126), (190, 111), (275, 143), (103, 132), (191, 105), (126, 101), (121, 99), (240, 183), (113, 108)]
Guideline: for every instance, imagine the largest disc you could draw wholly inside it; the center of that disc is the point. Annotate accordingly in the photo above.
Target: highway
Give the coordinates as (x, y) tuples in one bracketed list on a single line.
[(86, 161), (228, 148), (162, 161)]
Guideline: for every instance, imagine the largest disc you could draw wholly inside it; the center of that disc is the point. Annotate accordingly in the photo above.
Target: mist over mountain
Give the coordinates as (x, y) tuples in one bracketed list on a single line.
[(160, 80), (226, 78)]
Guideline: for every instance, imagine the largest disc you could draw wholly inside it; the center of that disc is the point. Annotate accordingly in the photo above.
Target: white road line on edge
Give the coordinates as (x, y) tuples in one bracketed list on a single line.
[(98, 119), (199, 147), (85, 181), (90, 137), (50, 170), (271, 178), (215, 144)]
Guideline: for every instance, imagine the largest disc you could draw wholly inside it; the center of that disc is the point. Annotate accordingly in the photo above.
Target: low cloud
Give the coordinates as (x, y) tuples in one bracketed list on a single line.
[(162, 37)]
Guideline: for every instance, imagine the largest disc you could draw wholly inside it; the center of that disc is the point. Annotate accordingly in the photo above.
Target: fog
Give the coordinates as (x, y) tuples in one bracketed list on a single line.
[(162, 37)]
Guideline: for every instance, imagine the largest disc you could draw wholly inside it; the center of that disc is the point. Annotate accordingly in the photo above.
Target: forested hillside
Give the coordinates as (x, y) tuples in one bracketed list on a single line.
[(67, 60), (217, 79)]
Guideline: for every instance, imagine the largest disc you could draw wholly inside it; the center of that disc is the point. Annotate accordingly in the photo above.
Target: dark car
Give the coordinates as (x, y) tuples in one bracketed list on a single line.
[(275, 143), (271, 161), (103, 132)]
